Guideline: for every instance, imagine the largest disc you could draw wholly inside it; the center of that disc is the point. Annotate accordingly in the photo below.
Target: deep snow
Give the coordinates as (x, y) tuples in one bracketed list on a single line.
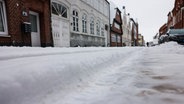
[(125, 75)]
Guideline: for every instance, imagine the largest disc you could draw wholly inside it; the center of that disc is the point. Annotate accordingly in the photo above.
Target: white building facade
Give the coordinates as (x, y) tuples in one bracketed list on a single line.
[(80, 23), (127, 29)]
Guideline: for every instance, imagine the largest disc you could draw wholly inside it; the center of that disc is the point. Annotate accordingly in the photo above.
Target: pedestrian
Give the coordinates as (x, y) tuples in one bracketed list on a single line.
[(147, 44)]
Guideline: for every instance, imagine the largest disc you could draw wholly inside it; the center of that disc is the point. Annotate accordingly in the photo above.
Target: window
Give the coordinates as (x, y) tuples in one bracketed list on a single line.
[(116, 25), (59, 9), (117, 13), (33, 20), (102, 29), (75, 21), (92, 25), (113, 38), (3, 24), (118, 39), (84, 23), (98, 27)]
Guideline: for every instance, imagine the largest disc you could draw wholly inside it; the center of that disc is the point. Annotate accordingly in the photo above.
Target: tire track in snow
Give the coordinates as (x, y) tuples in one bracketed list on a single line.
[(107, 86)]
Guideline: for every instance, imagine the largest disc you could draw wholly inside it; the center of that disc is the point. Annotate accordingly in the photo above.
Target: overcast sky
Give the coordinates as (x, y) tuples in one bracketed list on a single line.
[(151, 14)]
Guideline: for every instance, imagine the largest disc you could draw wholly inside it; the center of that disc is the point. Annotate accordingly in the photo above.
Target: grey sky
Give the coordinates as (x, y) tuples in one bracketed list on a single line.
[(151, 14)]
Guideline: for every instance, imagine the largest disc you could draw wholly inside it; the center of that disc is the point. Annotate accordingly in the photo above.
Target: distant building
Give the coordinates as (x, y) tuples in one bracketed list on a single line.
[(175, 18), (163, 30), (126, 26), (25, 23), (140, 40), (80, 23), (156, 39), (134, 37), (116, 26)]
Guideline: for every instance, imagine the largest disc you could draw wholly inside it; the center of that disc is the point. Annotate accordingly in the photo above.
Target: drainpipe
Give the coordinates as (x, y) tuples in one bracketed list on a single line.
[(182, 12), (51, 28), (109, 37)]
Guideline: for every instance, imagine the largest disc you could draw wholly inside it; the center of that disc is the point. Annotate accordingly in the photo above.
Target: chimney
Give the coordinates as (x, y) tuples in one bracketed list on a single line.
[(123, 7)]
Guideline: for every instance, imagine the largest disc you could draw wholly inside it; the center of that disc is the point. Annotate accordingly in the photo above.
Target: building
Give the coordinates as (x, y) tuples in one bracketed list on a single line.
[(126, 27), (25, 23), (80, 23), (134, 34), (163, 29), (141, 41), (156, 39), (178, 14), (170, 20), (175, 18), (116, 31)]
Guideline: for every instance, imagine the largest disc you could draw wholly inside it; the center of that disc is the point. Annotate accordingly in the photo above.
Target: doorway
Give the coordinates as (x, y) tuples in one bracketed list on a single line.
[(35, 29)]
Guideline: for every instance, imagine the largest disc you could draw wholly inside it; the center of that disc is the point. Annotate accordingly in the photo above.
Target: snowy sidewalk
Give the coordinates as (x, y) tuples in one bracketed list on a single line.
[(92, 75)]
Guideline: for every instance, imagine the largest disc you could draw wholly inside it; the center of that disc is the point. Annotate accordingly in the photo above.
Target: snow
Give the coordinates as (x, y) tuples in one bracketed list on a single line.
[(96, 75)]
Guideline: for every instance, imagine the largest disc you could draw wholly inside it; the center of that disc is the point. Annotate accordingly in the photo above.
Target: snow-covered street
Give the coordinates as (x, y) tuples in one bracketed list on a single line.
[(126, 75)]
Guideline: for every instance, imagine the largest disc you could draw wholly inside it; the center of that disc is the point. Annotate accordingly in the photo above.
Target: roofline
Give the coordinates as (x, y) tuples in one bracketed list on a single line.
[(107, 1), (133, 21)]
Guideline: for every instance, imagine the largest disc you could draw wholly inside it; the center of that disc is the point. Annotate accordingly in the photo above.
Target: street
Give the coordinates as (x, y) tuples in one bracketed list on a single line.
[(126, 75)]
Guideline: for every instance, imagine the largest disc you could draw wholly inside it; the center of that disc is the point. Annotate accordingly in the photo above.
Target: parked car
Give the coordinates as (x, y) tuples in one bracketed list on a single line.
[(176, 35), (163, 39)]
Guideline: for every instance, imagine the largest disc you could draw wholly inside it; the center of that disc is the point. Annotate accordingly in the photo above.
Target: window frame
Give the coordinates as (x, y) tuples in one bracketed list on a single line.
[(118, 39), (113, 38), (75, 17), (98, 28), (102, 29), (61, 11), (84, 23), (92, 25), (4, 19)]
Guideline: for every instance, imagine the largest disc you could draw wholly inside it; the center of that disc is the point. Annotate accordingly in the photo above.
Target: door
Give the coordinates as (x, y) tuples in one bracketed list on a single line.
[(60, 31), (35, 28)]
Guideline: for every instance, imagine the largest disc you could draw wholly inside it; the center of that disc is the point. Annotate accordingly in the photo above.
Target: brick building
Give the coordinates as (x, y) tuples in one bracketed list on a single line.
[(170, 20), (163, 30), (116, 31), (25, 23), (134, 35), (178, 14), (175, 18)]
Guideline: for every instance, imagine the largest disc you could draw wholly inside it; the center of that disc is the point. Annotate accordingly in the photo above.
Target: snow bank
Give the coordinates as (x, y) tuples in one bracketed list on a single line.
[(170, 48), (92, 75), (28, 74), (170, 45)]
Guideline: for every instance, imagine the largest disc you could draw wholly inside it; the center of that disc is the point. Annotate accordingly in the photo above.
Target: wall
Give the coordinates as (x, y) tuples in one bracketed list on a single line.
[(15, 18), (99, 9)]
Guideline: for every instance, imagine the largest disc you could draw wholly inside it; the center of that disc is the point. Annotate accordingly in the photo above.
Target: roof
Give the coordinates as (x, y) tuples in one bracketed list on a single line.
[(112, 11)]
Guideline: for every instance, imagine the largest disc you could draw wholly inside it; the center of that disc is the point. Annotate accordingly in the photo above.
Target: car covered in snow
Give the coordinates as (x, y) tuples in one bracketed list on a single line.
[(163, 39), (176, 35)]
